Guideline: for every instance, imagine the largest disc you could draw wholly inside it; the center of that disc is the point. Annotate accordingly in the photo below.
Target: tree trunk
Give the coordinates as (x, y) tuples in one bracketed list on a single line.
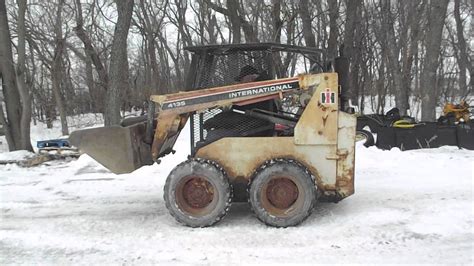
[(350, 26), (463, 60), (436, 17), (94, 57), (415, 12), (56, 69), (118, 70), (356, 63), (233, 8), (153, 69), (333, 31), (21, 79), (8, 135), (308, 35), (277, 22), (237, 21), (401, 93), (10, 89), (93, 91)]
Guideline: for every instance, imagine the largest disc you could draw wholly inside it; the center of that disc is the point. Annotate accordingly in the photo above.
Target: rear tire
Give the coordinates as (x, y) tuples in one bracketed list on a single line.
[(197, 193), (282, 193), (366, 136)]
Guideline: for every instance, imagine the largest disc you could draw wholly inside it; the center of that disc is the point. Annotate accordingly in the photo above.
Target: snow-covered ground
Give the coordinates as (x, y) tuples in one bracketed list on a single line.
[(409, 207)]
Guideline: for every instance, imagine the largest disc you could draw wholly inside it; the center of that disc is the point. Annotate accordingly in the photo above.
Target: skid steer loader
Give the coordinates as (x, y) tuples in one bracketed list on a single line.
[(279, 142)]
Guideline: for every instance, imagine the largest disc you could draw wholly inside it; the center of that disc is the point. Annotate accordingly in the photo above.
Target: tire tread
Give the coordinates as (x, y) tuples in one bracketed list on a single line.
[(207, 164)]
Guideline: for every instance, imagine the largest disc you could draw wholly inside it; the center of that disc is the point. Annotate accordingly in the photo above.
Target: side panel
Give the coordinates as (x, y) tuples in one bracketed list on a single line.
[(241, 156), (346, 151), (318, 124)]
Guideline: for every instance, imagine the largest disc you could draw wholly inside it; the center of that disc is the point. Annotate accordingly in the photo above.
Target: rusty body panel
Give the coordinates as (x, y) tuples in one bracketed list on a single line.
[(166, 133), (318, 125), (323, 141), (241, 156), (346, 149)]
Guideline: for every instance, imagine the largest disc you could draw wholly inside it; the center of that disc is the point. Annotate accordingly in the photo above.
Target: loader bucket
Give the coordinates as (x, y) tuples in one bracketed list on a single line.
[(119, 149)]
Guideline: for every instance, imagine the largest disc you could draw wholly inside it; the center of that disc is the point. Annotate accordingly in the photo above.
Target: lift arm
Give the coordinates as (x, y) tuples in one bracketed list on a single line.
[(174, 109), (239, 94)]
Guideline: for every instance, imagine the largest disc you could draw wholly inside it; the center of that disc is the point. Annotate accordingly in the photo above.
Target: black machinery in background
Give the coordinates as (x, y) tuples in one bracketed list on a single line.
[(453, 128)]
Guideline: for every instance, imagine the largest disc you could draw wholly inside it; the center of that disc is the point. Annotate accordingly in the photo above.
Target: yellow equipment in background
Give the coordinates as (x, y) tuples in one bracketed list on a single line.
[(460, 111)]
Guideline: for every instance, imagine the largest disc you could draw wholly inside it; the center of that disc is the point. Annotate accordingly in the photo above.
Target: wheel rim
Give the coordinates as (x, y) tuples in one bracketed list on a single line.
[(198, 192), (281, 195), (281, 192), (196, 195)]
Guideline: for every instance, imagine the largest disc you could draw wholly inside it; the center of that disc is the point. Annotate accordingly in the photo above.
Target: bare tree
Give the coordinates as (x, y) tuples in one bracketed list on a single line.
[(393, 55), (436, 15), (118, 70), (93, 55), (149, 24), (350, 27), (18, 116), (237, 19), (306, 20), (463, 58), (21, 75), (57, 68), (333, 28)]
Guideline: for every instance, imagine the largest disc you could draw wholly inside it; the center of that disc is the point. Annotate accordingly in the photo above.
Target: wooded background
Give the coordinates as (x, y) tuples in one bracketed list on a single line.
[(64, 57)]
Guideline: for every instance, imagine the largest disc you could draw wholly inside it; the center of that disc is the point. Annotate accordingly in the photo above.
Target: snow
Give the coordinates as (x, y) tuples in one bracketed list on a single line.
[(16, 155), (409, 207)]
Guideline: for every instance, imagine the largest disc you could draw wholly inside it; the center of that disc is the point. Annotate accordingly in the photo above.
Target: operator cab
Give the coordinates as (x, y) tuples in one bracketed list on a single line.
[(221, 65)]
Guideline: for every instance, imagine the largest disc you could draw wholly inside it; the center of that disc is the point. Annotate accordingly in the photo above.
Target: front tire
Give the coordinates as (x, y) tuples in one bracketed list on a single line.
[(366, 136), (197, 193), (282, 193)]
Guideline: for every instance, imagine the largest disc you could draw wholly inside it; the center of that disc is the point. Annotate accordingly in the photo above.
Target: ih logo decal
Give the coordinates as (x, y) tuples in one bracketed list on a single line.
[(328, 97)]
